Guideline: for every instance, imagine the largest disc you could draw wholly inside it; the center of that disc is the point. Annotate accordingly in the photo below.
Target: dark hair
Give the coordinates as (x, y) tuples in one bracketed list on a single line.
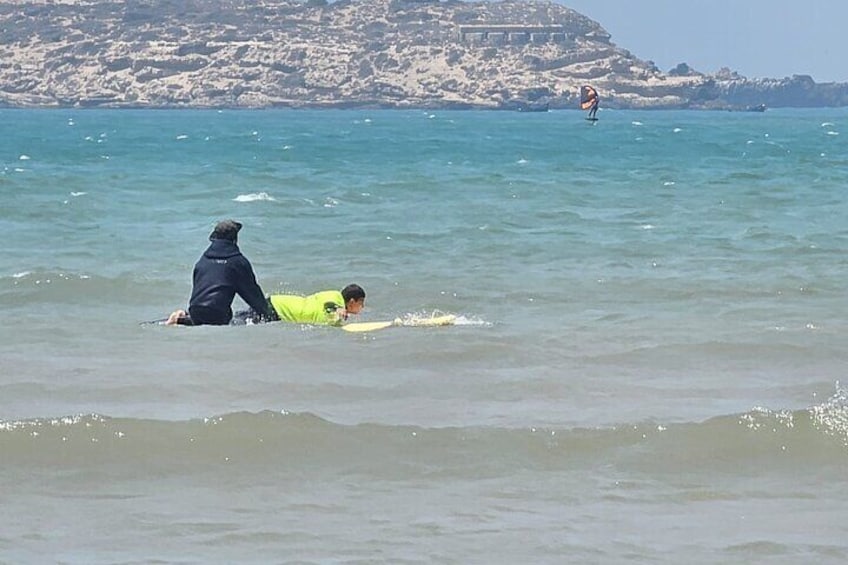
[(226, 229), (353, 292)]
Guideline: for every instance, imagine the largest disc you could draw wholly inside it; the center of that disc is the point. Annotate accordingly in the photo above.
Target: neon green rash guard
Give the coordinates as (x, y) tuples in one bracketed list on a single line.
[(318, 308)]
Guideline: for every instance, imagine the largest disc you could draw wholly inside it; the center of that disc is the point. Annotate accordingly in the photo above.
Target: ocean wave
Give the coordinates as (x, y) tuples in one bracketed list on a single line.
[(255, 197), (749, 442), (54, 286)]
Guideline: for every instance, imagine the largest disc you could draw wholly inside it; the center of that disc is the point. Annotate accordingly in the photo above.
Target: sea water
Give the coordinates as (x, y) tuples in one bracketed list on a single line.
[(646, 368)]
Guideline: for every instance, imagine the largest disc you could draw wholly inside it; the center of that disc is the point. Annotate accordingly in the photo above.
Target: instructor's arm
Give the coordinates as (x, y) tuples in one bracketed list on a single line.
[(249, 289)]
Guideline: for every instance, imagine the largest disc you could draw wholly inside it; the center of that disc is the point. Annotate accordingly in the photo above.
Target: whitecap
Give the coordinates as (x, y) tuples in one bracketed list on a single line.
[(522, 161), (24, 158), (635, 123), (471, 321), (677, 130), (827, 124), (78, 193), (22, 274), (254, 197), (833, 133), (669, 183), (647, 226), (182, 136), (831, 417)]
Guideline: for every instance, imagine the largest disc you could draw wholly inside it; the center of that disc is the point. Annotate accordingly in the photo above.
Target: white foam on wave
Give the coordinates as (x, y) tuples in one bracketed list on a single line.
[(24, 158), (78, 193), (832, 133), (22, 274), (827, 124), (254, 197), (182, 136), (637, 124), (677, 130), (466, 321), (831, 417), (421, 318)]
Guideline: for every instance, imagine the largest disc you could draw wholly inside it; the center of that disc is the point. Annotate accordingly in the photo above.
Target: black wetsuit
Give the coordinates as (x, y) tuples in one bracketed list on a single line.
[(221, 273), (251, 316)]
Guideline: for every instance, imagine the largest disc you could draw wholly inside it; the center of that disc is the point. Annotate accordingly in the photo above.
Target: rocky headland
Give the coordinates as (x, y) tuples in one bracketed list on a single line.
[(520, 54)]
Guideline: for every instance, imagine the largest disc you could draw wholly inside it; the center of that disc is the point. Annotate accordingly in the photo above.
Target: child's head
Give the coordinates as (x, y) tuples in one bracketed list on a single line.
[(354, 298)]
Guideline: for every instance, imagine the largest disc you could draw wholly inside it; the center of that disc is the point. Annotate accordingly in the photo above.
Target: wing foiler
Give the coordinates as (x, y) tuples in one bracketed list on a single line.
[(589, 100), (446, 320)]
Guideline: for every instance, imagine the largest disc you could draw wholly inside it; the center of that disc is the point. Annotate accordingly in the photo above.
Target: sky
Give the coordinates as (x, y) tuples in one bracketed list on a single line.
[(756, 38)]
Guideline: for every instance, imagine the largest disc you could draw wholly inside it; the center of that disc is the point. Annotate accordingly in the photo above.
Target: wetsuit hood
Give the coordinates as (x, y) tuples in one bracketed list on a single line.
[(221, 249)]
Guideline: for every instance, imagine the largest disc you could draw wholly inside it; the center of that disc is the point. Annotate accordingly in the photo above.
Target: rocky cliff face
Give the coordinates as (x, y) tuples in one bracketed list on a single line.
[(351, 53)]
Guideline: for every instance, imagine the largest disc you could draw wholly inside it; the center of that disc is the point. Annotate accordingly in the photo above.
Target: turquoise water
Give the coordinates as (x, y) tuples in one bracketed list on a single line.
[(651, 319)]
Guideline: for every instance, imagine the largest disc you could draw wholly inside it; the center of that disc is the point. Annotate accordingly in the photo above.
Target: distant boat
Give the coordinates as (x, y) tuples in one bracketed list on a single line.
[(757, 108)]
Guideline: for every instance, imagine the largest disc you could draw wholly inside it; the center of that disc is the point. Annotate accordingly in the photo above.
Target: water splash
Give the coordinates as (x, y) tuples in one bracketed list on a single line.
[(831, 417)]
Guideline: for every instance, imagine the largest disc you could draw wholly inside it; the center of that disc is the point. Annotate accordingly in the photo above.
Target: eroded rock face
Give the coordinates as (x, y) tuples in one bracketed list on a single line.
[(380, 53)]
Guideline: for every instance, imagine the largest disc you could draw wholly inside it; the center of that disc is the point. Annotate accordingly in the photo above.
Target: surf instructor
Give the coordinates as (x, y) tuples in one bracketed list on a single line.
[(221, 273)]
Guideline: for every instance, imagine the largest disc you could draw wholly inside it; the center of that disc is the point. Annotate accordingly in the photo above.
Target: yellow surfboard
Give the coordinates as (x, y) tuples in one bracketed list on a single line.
[(445, 320)]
